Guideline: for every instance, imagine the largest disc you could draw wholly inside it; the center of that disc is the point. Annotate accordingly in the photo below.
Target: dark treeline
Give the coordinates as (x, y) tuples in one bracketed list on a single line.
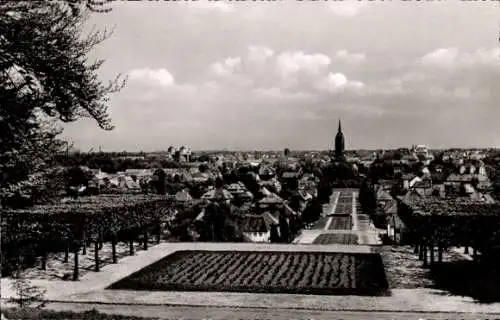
[(115, 162)]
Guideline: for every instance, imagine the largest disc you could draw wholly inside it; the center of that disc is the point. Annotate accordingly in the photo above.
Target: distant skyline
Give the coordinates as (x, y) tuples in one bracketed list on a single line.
[(275, 75)]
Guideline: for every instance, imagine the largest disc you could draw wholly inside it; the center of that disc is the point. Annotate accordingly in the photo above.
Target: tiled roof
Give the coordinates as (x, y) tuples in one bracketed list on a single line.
[(454, 177), (391, 207), (383, 195), (408, 176), (217, 194), (422, 184), (258, 223), (271, 199), (289, 175), (254, 223), (266, 170)]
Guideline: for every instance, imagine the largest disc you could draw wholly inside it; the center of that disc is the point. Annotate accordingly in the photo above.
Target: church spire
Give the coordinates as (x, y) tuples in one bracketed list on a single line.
[(339, 144)]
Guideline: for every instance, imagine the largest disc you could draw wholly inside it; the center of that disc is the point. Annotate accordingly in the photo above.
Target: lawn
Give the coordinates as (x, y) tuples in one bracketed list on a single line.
[(341, 223), (334, 238), (263, 272), (36, 314)]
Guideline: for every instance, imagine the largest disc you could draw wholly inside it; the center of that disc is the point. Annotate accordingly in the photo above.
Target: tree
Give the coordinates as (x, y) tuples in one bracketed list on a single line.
[(312, 212), (274, 235), (284, 229), (158, 181), (45, 79), (367, 198)]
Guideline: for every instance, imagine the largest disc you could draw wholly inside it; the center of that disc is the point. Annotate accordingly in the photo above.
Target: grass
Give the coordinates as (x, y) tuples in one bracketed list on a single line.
[(263, 272), (35, 314)]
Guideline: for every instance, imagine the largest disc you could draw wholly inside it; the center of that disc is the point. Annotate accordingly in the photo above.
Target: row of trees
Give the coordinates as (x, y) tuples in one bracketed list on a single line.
[(45, 79), (70, 226)]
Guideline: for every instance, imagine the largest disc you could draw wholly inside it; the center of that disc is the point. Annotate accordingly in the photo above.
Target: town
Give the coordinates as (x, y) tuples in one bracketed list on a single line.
[(406, 205), (270, 165)]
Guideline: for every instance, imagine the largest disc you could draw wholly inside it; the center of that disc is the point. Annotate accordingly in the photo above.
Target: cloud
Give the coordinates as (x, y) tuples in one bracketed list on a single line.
[(348, 57), (259, 53), (289, 63), (453, 58), (280, 94), (335, 82), (227, 67), (203, 6), (347, 8), (161, 77)]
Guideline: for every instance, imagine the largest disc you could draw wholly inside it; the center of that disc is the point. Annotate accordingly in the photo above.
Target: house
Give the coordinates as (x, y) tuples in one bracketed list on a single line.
[(396, 229), (236, 189), (386, 185), (410, 196), (423, 187), (271, 200), (183, 196), (257, 228), (406, 179), (290, 175), (383, 196), (413, 181), (266, 172), (218, 195)]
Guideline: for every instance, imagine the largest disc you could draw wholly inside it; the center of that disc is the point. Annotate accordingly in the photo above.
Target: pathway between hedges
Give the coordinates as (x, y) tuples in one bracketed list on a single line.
[(361, 223)]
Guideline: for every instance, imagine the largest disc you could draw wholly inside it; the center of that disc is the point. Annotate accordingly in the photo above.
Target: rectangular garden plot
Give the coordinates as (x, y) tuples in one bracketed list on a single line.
[(341, 223), (263, 272), (336, 238)]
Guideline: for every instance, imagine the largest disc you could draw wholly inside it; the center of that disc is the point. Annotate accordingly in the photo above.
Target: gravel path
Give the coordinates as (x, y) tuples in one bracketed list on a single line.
[(216, 313)]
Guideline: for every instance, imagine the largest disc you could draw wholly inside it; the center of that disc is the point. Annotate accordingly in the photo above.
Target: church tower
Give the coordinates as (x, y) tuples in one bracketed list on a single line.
[(339, 143)]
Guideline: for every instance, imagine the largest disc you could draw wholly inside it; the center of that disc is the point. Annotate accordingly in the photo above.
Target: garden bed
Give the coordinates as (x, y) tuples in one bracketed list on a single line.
[(343, 209), (335, 238), (263, 272), (341, 223)]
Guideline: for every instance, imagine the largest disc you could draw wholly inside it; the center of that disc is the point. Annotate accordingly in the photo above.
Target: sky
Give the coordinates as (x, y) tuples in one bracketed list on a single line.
[(269, 75)]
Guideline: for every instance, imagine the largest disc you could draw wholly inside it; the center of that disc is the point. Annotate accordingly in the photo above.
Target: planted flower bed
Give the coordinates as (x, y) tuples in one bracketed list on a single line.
[(341, 223), (343, 209), (336, 238), (265, 272)]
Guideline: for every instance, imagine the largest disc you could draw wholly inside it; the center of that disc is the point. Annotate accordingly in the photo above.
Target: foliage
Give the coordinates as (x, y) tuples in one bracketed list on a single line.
[(158, 181), (45, 79), (274, 235), (312, 212), (219, 224), (285, 236), (367, 198), (67, 222)]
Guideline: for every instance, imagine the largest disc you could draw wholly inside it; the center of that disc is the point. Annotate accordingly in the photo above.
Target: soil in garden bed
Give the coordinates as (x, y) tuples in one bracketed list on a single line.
[(334, 238), (341, 223), (320, 273)]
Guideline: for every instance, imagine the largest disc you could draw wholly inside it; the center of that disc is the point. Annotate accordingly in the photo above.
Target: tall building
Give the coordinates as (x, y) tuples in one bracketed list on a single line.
[(339, 143)]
